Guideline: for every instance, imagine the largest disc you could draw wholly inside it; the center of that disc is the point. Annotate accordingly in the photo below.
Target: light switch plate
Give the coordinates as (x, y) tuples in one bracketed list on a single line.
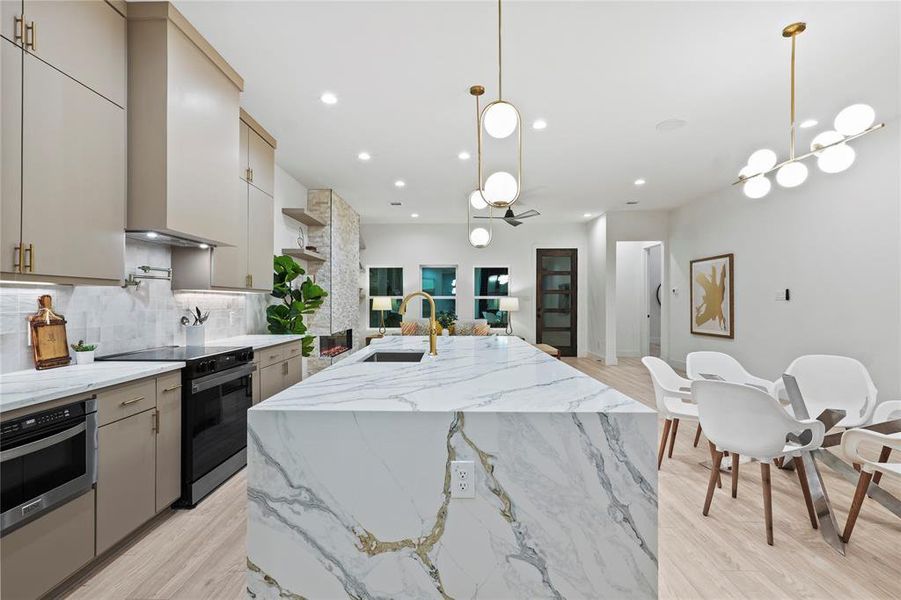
[(463, 484)]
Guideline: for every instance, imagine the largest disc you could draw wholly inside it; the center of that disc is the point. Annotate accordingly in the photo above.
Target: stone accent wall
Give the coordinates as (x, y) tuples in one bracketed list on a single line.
[(339, 242)]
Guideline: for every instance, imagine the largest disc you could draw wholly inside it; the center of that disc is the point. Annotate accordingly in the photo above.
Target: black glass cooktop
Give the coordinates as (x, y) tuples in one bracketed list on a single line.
[(173, 353)]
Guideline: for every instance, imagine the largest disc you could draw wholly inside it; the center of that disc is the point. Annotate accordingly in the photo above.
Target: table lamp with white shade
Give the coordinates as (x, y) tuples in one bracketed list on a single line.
[(509, 304), (381, 304)]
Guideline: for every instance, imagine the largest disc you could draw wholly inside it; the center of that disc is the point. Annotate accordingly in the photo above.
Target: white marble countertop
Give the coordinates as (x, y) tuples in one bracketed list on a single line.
[(20, 389), (258, 341), (470, 373)]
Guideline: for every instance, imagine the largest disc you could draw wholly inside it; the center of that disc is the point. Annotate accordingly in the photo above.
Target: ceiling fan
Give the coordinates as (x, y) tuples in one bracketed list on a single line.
[(513, 219)]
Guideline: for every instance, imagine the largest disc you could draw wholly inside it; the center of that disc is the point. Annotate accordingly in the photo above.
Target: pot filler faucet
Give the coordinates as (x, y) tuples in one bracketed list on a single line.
[(433, 325)]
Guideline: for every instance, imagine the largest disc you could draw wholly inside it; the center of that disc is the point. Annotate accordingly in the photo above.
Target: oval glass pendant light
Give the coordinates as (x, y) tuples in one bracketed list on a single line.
[(499, 119), (479, 236)]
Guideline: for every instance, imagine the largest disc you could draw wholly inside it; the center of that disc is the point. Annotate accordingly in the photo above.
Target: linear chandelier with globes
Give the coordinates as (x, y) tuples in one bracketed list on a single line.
[(499, 119), (830, 148)]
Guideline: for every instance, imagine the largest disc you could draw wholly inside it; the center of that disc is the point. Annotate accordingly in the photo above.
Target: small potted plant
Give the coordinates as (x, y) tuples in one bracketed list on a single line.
[(446, 321), (84, 353)]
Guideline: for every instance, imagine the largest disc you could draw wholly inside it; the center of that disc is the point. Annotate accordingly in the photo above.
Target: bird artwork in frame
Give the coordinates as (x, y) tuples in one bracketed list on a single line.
[(712, 297)]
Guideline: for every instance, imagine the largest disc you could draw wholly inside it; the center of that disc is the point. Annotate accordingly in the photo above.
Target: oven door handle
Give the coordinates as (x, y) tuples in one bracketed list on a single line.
[(211, 381), (42, 443)]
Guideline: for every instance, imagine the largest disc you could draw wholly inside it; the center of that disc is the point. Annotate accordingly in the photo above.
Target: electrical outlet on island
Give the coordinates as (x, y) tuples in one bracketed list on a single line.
[(463, 483)]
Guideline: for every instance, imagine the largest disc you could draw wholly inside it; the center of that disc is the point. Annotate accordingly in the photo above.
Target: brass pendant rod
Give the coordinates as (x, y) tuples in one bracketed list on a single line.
[(876, 127), (500, 93), (792, 144)]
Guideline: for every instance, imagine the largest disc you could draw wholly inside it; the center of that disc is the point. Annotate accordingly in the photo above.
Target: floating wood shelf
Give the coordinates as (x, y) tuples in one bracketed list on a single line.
[(303, 254), (299, 214)]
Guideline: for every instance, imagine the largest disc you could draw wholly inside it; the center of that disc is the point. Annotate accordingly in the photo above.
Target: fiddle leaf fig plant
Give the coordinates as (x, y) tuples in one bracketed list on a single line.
[(297, 300)]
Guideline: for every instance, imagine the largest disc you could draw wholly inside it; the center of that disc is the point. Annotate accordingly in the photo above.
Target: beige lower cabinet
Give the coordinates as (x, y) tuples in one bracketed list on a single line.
[(168, 440), (272, 380), (42, 554), (255, 385), (293, 368), (126, 477), (279, 368)]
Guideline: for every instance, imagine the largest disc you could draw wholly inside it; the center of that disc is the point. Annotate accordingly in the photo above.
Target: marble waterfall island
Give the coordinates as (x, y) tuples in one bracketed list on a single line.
[(349, 480)]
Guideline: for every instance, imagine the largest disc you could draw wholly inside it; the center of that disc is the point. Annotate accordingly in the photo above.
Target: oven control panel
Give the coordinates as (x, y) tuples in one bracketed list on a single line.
[(42, 420)]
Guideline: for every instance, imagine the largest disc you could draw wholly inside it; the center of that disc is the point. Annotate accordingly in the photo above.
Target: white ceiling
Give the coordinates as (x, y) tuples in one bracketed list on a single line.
[(601, 73)]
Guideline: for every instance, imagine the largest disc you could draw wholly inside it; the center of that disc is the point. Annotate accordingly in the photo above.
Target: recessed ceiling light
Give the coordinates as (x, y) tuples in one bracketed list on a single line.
[(203, 246), (463, 156), (640, 181), (539, 124), (363, 156), (671, 125), (632, 202), (399, 183), (414, 215), (587, 215), (809, 123), (152, 234), (328, 98)]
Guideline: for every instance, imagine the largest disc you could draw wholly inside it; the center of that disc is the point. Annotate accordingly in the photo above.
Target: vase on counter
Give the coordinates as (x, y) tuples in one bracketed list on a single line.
[(194, 335), (84, 358)]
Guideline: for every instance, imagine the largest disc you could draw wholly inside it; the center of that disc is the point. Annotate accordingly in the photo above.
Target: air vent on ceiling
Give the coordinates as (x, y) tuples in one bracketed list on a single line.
[(632, 202), (396, 203)]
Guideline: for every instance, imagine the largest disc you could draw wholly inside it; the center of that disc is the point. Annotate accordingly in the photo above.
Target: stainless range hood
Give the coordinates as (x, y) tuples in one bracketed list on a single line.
[(167, 239)]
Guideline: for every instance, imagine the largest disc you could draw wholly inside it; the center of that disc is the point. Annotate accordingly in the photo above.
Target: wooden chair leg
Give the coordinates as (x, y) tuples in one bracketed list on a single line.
[(735, 458), (711, 484), (883, 457), (767, 501), (672, 438), (859, 494), (666, 426), (697, 435), (805, 488), (719, 480)]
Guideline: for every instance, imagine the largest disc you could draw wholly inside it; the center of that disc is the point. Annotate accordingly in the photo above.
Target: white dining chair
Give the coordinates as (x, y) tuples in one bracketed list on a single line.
[(746, 421), (705, 363), (869, 469), (673, 396), (837, 382)]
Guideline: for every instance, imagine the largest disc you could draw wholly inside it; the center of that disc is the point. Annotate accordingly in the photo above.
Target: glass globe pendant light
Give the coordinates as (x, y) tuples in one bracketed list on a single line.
[(830, 148), (479, 236), (499, 119)]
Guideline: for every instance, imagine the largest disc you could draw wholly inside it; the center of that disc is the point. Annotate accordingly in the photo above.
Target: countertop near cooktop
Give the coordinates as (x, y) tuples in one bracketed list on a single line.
[(20, 389), (257, 341)]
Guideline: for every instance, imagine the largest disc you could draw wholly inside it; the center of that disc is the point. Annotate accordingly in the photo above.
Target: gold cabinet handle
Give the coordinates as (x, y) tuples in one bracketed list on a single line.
[(31, 41), (132, 401), (29, 266), (18, 22), (155, 422), (169, 389), (251, 174), (17, 258)]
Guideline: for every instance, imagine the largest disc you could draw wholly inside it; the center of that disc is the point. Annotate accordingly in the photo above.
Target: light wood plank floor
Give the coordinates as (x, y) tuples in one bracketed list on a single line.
[(199, 554)]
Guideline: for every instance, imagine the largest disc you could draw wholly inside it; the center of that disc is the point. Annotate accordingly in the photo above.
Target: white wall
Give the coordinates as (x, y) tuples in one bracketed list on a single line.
[(834, 242), (411, 246), (597, 265), (289, 193), (654, 279)]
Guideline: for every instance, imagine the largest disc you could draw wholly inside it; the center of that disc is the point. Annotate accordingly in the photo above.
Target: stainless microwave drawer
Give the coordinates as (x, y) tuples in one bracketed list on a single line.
[(42, 554)]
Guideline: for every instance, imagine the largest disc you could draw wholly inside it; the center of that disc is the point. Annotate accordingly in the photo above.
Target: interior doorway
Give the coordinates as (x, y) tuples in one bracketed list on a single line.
[(556, 296), (653, 298)]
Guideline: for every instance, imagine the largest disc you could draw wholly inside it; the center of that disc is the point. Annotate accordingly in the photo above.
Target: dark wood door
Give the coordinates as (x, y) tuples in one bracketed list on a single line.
[(557, 291)]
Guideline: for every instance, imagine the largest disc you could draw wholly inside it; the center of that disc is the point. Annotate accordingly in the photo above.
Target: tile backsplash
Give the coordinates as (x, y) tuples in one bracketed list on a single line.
[(121, 320)]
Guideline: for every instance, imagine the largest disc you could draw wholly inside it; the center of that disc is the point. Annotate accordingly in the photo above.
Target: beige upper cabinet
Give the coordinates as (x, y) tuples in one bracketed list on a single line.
[(63, 187), (183, 143), (11, 150), (73, 178), (12, 27), (260, 230), (85, 39), (229, 263), (257, 155)]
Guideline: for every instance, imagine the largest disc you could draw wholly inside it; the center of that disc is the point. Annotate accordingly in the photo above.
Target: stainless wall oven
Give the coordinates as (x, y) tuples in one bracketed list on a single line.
[(46, 459)]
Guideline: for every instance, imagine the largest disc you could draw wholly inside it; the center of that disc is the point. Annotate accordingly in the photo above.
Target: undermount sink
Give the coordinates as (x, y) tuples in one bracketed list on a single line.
[(394, 357)]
